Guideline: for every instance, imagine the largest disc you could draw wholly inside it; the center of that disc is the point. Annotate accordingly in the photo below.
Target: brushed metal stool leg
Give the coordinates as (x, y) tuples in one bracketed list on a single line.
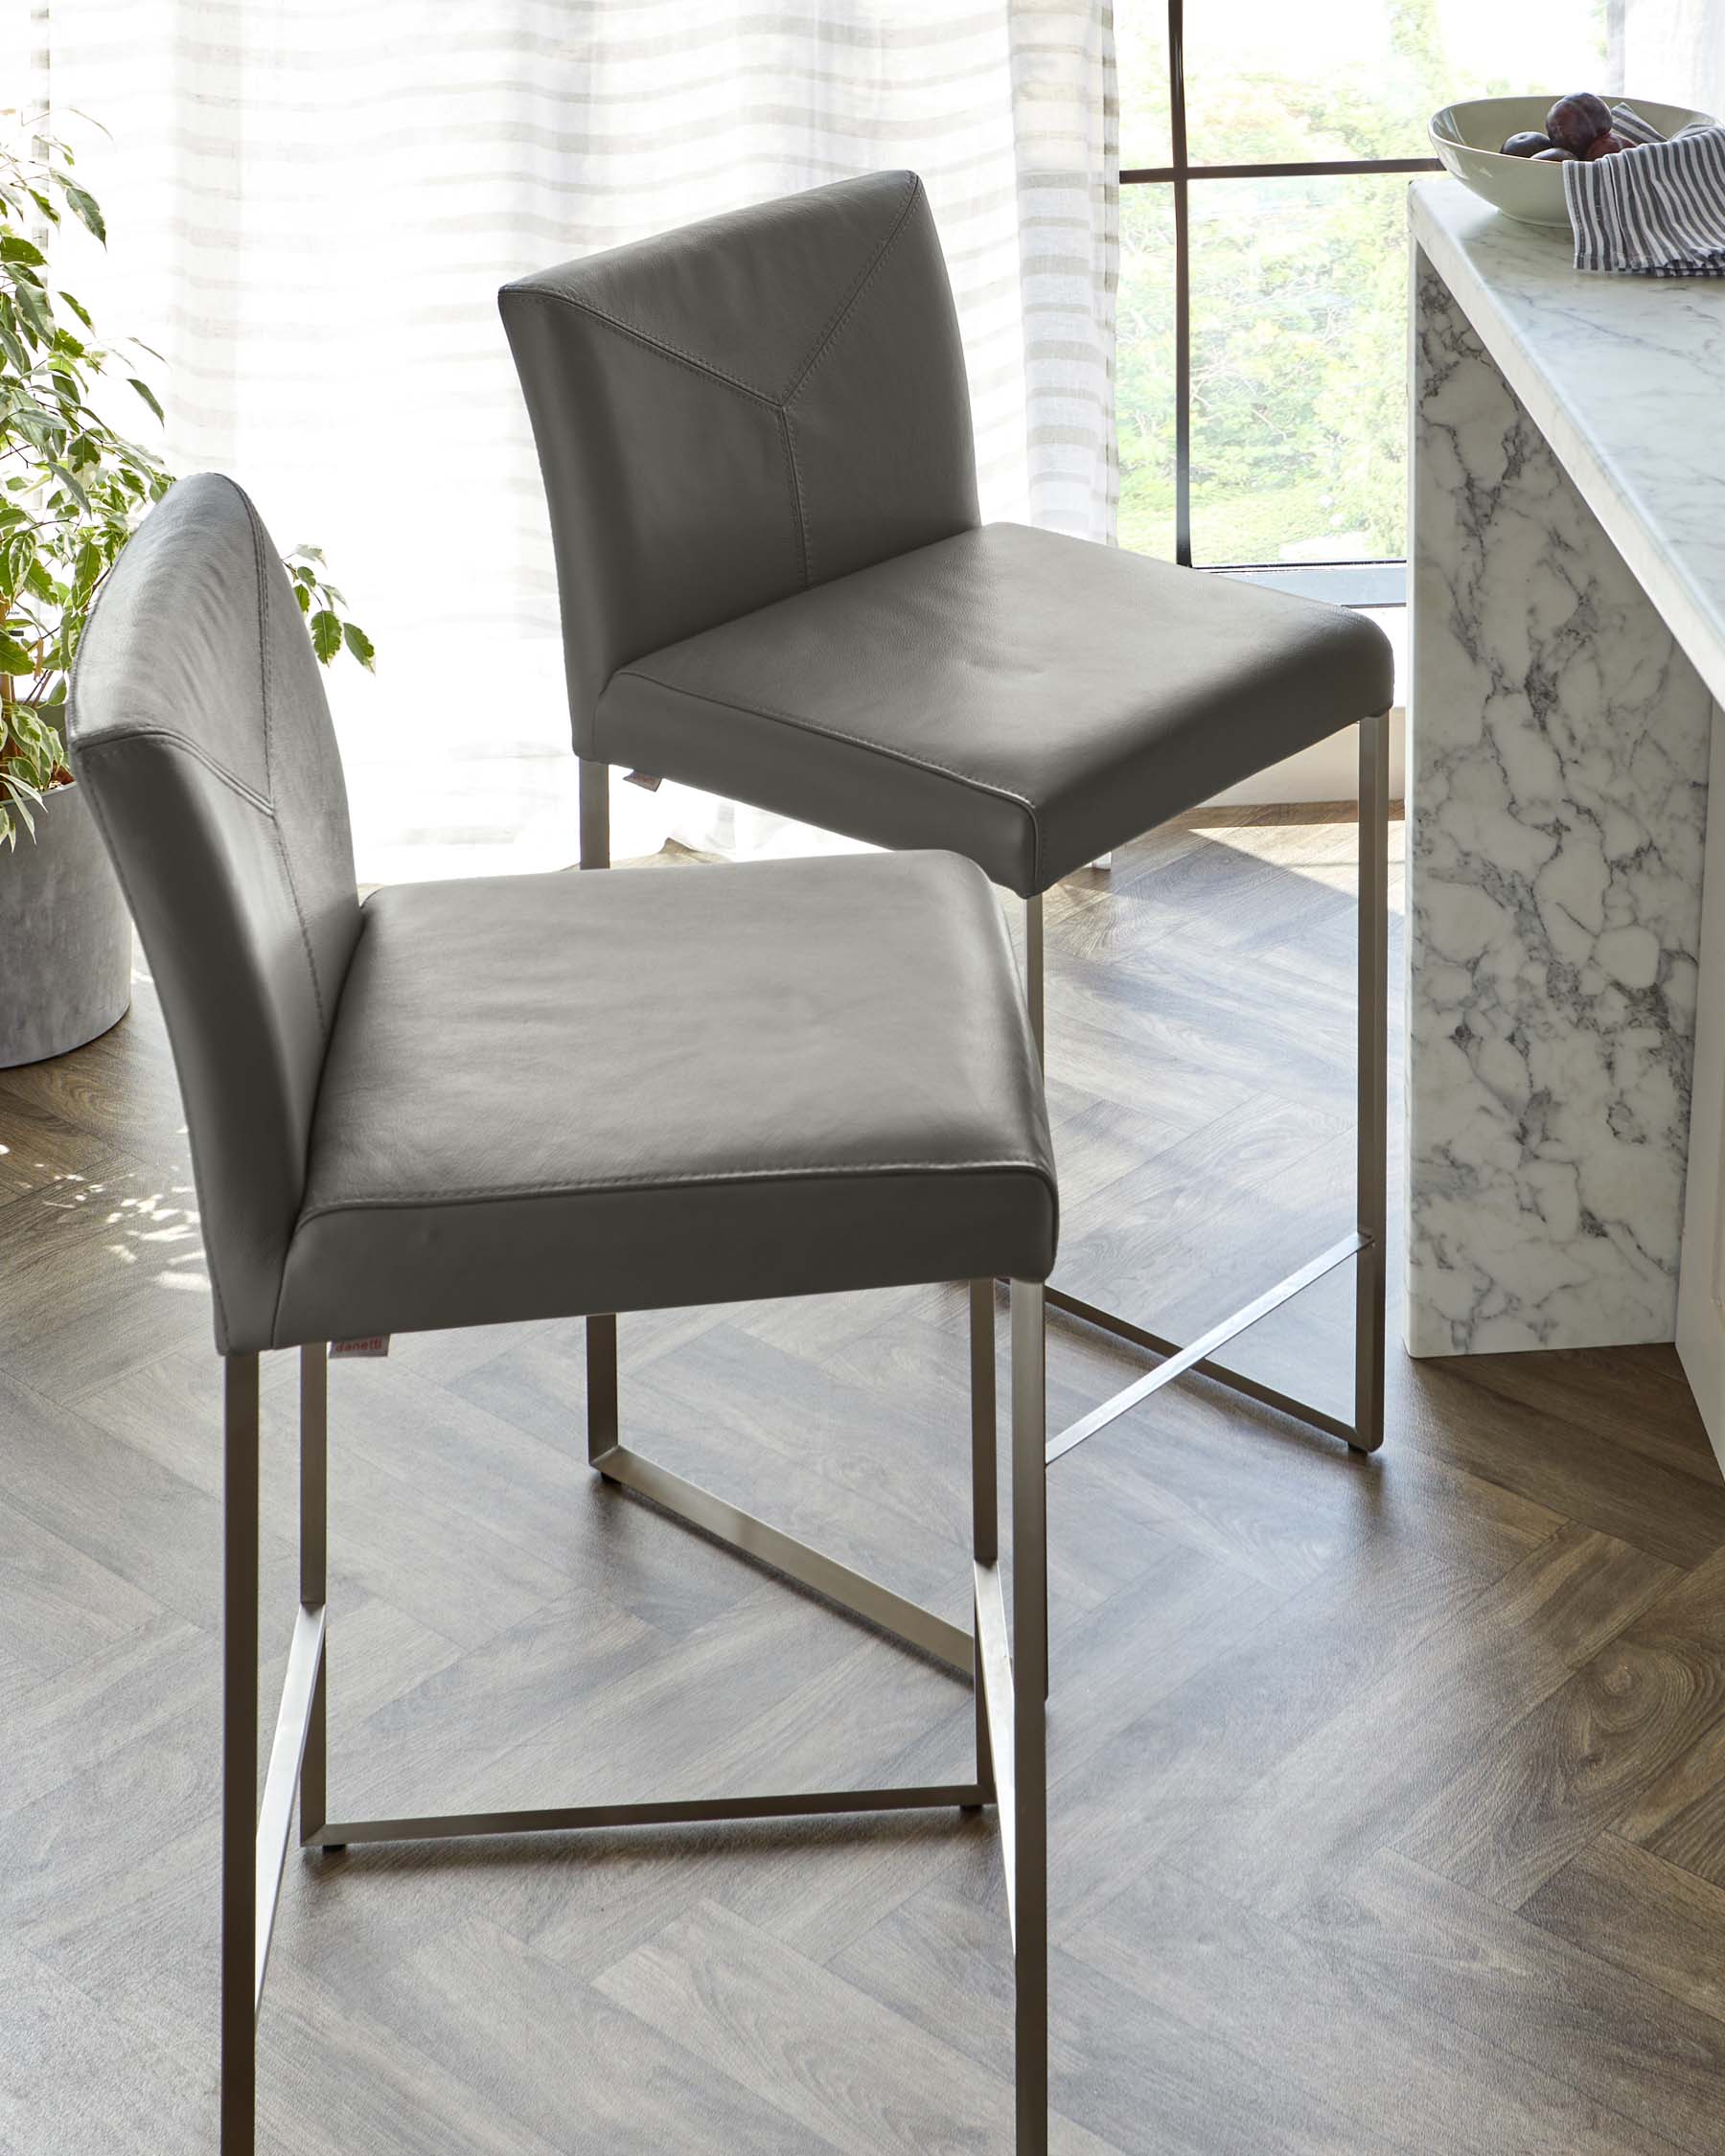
[(1029, 1685), (1372, 1116), (986, 1506), (601, 1332), (239, 1757), (595, 813), (313, 1555), (603, 1432)]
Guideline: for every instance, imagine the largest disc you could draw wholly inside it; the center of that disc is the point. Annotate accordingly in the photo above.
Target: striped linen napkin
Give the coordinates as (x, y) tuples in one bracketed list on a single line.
[(1657, 210)]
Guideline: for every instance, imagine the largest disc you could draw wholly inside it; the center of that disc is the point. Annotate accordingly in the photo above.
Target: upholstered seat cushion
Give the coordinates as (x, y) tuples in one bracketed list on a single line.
[(549, 1095), (1026, 699)]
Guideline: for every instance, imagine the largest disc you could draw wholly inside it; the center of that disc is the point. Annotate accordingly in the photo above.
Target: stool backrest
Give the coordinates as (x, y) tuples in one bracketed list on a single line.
[(199, 731), (734, 411)]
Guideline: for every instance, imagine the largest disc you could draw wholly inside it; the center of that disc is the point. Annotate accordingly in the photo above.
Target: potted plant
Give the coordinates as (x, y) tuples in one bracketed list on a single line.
[(72, 489)]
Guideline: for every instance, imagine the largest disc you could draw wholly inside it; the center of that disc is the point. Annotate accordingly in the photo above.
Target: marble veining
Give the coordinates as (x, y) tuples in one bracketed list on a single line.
[(1624, 378), (1556, 790)]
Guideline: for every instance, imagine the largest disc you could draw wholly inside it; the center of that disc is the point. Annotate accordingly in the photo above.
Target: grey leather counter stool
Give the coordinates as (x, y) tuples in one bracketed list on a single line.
[(755, 437), (544, 1096)]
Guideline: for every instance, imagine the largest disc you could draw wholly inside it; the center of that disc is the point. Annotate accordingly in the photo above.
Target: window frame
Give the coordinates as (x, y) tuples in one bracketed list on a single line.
[(1371, 578)]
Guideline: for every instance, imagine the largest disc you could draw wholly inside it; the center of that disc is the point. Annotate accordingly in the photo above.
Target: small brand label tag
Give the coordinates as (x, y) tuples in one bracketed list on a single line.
[(378, 1345), (645, 779)]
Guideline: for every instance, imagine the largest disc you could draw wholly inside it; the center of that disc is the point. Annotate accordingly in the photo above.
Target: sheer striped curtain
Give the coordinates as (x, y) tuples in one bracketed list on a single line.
[(310, 206), (1672, 49)]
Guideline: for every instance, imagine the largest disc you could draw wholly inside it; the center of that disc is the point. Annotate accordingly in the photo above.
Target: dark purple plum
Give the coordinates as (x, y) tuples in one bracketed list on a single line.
[(1607, 145), (1577, 120), (1527, 144), (1556, 156)]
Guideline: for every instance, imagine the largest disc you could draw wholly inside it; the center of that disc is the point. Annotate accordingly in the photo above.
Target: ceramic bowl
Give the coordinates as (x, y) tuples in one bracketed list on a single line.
[(1466, 138)]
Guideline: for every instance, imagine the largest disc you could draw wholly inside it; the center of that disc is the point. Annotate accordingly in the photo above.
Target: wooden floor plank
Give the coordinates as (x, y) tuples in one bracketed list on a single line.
[(1557, 2011), (547, 2036), (1380, 2051), (1622, 1905), (1522, 1807), (847, 2069), (1352, 1784)]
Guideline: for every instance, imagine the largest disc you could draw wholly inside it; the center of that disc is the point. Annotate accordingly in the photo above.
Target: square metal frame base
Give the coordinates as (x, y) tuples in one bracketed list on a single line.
[(1364, 1245), (1005, 1662)]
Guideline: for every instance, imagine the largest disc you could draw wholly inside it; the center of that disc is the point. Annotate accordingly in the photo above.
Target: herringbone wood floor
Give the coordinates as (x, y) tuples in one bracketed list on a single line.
[(1388, 1799)]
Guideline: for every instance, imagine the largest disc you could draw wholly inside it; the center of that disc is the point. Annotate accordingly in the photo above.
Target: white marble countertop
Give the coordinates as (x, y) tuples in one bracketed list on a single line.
[(1626, 379)]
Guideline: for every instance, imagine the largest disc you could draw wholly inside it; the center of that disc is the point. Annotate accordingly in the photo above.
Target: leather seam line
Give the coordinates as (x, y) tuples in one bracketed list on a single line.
[(798, 505), (266, 684), (252, 798), (848, 305), (674, 353), (856, 741), (492, 1195)]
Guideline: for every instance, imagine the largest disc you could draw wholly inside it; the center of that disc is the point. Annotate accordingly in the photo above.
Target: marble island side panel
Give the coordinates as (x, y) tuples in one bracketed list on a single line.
[(1556, 807)]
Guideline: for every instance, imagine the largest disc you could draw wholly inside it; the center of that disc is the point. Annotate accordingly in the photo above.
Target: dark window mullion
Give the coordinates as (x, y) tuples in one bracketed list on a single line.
[(1333, 167), (1183, 288)]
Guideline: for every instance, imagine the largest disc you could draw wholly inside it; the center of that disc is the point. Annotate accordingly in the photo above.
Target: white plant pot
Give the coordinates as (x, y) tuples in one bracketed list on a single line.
[(65, 936)]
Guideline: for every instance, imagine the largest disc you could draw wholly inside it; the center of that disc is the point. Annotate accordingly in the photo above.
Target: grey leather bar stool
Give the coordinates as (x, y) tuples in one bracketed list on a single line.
[(756, 445), (544, 1096)]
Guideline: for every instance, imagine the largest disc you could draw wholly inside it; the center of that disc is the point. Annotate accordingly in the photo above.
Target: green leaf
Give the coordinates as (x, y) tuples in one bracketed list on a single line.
[(32, 305), (72, 484), (17, 551), (359, 644), (326, 635), (304, 597), (148, 396), (12, 248), (79, 308), (83, 207), (16, 659)]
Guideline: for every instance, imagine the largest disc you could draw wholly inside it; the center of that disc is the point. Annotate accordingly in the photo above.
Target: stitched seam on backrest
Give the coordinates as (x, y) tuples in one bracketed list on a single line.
[(798, 504), (674, 353), (843, 312), (249, 795), (824, 344), (266, 688)]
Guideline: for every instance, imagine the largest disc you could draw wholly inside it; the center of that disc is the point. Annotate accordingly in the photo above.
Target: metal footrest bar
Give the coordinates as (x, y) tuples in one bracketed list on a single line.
[(996, 1657), (864, 1598), (280, 1783), (1197, 1356), (694, 1811), (1218, 1373)]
